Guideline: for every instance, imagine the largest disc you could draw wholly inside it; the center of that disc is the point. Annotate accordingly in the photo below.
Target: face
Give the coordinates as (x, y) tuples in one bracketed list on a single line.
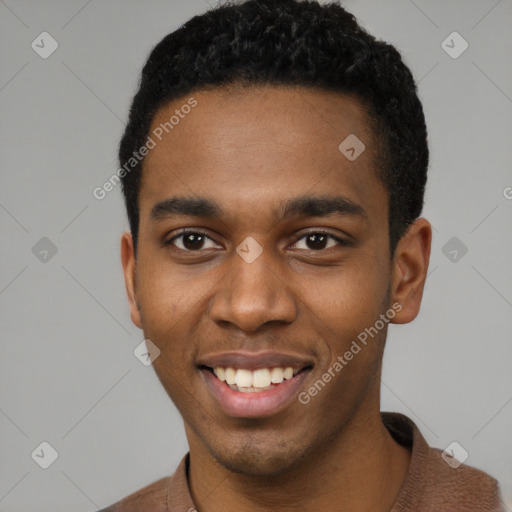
[(284, 263)]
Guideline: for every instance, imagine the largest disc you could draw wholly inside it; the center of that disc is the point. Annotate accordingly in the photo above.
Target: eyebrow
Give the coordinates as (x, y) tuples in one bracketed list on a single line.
[(305, 206)]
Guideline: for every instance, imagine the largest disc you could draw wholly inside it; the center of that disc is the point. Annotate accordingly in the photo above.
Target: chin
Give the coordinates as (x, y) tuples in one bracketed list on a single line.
[(259, 459)]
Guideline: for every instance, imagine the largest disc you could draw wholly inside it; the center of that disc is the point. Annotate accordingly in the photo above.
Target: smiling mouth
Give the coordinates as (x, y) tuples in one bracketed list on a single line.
[(254, 381)]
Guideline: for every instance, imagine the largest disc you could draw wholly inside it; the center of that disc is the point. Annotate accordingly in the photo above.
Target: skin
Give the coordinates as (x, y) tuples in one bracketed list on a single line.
[(250, 150)]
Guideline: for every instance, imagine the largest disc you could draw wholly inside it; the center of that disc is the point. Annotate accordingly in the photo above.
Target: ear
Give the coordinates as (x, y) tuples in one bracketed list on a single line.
[(128, 261), (410, 265)]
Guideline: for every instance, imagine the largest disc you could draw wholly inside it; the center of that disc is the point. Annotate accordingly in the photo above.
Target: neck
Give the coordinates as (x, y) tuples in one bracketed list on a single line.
[(361, 470)]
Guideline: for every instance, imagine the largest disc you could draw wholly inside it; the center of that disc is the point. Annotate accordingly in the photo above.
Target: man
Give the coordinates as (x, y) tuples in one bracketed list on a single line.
[(274, 166)]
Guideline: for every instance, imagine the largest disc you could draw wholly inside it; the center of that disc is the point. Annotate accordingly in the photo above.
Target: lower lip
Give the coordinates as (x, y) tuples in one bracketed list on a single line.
[(259, 404)]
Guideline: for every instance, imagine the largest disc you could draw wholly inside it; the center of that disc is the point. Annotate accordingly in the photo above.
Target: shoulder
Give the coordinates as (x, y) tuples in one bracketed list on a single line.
[(463, 488), (439, 483), (151, 498), (167, 494)]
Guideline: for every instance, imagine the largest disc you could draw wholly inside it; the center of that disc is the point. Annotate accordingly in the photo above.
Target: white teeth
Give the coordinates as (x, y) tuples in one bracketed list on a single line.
[(261, 378), (249, 381), (277, 375), (243, 378), (220, 372), (250, 390), (230, 375)]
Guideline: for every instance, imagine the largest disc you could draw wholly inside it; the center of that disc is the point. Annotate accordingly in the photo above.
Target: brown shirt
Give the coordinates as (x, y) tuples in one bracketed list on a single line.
[(431, 484)]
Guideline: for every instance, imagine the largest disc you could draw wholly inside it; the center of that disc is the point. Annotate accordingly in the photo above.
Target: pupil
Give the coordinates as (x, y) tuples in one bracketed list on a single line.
[(193, 240), (317, 245)]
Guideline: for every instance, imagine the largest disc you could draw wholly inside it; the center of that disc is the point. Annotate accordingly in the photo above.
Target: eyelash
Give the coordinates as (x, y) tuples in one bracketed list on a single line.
[(187, 231)]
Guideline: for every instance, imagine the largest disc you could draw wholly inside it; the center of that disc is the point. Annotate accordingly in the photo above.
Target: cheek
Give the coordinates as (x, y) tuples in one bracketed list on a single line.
[(353, 348), (347, 306), (165, 299), (167, 311), (350, 298)]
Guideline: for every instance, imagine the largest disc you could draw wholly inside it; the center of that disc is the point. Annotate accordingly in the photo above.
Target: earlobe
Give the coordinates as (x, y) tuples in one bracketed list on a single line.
[(128, 261), (410, 266)]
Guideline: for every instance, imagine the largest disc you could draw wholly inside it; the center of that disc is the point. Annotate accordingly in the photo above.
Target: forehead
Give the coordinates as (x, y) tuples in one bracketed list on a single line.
[(264, 144)]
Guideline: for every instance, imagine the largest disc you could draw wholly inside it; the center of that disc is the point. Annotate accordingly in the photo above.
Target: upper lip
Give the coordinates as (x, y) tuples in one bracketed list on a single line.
[(255, 360)]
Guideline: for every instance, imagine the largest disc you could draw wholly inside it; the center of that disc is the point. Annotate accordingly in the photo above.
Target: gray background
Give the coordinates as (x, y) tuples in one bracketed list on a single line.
[(68, 375)]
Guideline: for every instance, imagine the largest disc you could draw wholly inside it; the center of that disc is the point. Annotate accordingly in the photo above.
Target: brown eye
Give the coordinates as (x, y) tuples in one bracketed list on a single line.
[(190, 241), (318, 241)]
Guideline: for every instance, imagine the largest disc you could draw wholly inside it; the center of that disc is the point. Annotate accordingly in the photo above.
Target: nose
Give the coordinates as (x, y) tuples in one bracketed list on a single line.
[(253, 294)]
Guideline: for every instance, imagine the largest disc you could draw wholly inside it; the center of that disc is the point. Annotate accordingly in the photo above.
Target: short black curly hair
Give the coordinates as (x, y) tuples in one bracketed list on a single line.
[(294, 43)]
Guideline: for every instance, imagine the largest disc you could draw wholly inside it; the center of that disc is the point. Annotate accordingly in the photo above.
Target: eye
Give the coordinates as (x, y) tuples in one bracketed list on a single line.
[(194, 241), (190, 241), (319, 240)]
